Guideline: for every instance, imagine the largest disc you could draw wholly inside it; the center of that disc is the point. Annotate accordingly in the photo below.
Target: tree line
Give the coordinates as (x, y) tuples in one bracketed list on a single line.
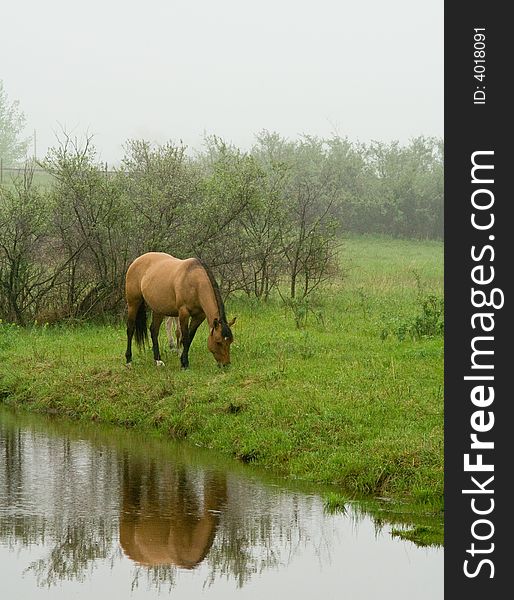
[(267, 219)]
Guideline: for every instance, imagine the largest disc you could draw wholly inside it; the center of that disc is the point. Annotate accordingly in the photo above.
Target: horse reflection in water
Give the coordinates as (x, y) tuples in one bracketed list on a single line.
[(165, 519)]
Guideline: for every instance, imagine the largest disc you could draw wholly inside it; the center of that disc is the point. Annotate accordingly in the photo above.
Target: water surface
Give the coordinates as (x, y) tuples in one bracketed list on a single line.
[(94, 512)]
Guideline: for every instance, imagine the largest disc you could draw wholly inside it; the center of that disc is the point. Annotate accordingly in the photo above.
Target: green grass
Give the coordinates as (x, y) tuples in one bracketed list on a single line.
[(342, 401), (40, 177)]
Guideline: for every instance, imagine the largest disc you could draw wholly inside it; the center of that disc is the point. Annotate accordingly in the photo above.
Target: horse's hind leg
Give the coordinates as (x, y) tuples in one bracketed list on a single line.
[(154, 332), (131, 327)]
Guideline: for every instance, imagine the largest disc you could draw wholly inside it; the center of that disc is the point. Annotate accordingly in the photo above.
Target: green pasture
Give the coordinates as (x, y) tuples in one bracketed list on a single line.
[(10, 175), (345, 390)]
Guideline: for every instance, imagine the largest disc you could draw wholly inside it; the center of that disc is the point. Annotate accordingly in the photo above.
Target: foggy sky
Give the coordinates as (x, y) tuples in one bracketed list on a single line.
[(175, 70)]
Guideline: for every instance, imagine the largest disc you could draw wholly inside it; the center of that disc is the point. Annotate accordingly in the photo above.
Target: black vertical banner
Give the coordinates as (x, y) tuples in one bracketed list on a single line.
[(479, 267)]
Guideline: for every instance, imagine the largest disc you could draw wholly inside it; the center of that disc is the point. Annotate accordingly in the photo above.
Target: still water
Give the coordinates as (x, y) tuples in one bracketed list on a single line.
[(90, 512)]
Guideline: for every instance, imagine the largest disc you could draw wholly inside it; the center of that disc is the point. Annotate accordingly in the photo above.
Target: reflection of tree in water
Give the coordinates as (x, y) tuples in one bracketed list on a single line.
[(75, 550), (166, 516), (48, 487), (242, 553), (264, 529)]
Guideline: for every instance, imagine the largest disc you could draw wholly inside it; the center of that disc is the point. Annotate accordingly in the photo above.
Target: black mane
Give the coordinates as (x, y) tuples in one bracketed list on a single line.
[(225, 329)]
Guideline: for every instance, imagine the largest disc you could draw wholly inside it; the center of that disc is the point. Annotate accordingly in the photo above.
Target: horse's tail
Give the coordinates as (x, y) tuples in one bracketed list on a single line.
[(141, 331)]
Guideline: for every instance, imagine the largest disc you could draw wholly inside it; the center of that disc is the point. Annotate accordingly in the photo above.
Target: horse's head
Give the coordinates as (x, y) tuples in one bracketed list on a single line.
[(219, 341)]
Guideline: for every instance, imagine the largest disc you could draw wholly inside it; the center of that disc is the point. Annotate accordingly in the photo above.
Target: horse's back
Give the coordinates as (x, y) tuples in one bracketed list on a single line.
[(151, 259), (140, 267), (154, 276)]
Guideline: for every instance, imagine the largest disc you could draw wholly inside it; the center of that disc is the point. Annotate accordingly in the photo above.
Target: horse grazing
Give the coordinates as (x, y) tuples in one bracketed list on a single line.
[(172, 287)]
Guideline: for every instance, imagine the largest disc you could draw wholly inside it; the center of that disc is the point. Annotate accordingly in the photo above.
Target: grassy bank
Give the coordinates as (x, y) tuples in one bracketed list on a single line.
[(352, 397)]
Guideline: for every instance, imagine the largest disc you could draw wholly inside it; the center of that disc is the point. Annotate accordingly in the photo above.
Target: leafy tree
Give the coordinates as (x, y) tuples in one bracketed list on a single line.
[(12, 122), (309, 238), (230, 189), (159, 184), (91, 226), (406, 188), (25, 279)]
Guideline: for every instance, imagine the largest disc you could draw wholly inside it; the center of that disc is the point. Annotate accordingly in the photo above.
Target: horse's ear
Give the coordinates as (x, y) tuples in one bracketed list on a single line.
[(232, 322)]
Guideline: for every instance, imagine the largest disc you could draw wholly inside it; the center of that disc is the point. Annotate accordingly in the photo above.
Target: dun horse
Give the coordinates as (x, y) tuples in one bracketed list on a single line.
[(172, 287), (166, 517)]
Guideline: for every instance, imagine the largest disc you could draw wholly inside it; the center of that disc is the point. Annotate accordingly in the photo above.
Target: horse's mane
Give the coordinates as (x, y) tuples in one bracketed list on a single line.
[(219, 301)]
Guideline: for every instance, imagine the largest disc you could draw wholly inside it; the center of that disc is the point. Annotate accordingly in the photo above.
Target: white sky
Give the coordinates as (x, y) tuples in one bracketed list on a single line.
[(169, 69)]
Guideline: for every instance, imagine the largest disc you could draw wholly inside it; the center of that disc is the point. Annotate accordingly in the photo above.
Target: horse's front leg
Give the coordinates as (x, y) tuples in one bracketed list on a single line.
[(193, 325), (154, 332)]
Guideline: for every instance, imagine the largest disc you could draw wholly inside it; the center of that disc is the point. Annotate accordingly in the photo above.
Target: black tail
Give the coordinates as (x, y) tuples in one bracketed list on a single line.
[(141, 332)]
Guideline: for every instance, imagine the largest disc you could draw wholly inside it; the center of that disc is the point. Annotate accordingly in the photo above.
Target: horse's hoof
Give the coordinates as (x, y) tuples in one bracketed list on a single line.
[(159, 363), (128, 365)]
